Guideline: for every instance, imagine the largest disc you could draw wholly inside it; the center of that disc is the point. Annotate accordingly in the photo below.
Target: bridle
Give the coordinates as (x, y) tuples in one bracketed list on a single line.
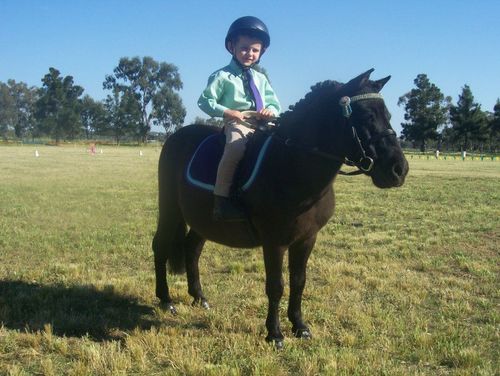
[(364, 163)]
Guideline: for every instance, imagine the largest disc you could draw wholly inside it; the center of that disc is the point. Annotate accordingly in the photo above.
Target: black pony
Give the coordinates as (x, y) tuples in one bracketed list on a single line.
[(290, 200)]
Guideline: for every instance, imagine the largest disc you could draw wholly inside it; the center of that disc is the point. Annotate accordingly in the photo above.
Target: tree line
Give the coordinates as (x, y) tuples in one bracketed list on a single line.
[(144, 92), (431, 117)]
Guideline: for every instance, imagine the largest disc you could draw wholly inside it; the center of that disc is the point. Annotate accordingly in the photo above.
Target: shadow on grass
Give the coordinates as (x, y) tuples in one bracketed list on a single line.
[(73, 311)]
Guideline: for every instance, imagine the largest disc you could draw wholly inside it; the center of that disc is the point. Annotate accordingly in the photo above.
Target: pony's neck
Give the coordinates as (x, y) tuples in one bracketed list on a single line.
[(309, 125), (309, 175)]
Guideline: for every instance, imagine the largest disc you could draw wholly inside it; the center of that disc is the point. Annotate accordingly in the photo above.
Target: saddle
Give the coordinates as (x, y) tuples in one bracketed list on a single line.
[(201, 170)]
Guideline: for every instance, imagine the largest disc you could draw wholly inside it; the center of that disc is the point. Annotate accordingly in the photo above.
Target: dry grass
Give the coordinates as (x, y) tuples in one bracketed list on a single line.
[(401, 281)]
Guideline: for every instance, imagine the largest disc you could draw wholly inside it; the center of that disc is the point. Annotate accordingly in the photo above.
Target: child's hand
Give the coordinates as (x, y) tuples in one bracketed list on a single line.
[(266, 114), (234, 115)]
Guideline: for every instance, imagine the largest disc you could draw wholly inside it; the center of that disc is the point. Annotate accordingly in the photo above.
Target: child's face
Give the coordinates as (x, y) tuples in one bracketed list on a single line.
[(247, 50)]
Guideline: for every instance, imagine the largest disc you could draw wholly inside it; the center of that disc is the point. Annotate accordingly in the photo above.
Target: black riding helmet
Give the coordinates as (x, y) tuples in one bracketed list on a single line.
[(250, 26)]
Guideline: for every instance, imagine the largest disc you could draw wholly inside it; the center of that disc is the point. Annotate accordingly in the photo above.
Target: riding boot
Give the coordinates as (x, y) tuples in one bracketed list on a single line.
[(225, 210)]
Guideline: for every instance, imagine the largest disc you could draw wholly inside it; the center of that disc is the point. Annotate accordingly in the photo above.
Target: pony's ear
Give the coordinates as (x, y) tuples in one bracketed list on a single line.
[(360, 81), (380, 83)]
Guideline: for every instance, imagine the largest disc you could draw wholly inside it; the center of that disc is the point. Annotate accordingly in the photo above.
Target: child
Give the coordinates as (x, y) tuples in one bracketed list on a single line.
[(231, 90)]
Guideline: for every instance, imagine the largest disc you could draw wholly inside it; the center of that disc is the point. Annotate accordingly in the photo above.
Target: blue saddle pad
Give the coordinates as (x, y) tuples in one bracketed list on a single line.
[(202, 168)]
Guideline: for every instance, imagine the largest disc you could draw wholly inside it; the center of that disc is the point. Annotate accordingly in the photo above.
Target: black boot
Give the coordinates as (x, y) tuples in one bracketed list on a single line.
[(224, 210)]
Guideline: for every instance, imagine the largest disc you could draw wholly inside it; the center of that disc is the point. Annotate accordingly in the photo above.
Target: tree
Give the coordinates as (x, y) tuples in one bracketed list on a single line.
[(123, 114), (16, 107), (494, 125), (155, 86), (168, 110), (468, 121), (211, 121), (92, 116), (426, 110), (7, 110), (58, 106)]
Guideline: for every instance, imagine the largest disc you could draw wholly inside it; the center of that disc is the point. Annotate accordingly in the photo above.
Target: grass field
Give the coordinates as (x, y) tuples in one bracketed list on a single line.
[(401, 282)]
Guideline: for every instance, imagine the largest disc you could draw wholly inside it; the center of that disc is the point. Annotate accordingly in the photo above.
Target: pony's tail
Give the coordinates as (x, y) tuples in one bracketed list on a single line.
[(176, 257), (173, 228)]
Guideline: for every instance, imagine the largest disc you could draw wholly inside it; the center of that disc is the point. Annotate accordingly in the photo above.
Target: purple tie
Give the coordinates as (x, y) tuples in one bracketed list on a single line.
[(255, 92)]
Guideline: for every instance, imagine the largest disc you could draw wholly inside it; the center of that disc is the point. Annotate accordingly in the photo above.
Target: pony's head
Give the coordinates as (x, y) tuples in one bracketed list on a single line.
[(351, 120), (373, 136)]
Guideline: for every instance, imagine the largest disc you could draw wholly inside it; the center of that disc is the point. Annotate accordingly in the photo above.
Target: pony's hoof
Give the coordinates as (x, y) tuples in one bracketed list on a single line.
[(202, 303), (303, 333), (169, 307), (277, 343)]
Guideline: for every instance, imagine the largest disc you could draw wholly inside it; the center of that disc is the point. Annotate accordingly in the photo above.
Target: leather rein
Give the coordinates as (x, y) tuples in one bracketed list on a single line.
[(365, 163)]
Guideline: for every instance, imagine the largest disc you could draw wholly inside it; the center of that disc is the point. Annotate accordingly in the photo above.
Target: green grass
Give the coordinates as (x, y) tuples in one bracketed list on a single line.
[(402, 281)]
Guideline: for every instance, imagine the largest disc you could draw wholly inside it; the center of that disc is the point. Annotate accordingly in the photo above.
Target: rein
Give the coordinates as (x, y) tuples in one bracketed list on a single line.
[(365, 163)]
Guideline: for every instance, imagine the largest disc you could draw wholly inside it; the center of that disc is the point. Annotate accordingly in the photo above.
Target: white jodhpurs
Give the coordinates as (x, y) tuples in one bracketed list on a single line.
[(236, 139)]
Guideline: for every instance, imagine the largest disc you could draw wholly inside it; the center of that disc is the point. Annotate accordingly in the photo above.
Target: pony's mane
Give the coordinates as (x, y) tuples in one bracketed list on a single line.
[(321, 90)]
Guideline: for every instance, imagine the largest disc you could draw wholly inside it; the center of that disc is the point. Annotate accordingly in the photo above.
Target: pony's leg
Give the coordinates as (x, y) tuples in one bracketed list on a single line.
[(167, 236), (298, 255), (273, 261), (193, 247)]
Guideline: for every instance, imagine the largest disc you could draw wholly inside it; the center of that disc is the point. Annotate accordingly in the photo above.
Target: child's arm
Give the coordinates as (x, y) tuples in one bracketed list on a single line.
[(234, 115), (272, 103), (267, 114), (210, 97)]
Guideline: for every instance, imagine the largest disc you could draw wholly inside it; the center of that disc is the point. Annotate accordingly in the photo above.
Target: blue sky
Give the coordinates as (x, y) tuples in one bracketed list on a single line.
[(453, 42)]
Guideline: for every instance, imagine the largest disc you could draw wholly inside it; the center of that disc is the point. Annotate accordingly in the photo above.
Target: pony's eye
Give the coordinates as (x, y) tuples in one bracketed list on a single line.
[(369, 117)]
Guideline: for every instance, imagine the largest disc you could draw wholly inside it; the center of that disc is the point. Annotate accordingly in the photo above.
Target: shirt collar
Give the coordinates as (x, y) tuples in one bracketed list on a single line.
[(236, 67)]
